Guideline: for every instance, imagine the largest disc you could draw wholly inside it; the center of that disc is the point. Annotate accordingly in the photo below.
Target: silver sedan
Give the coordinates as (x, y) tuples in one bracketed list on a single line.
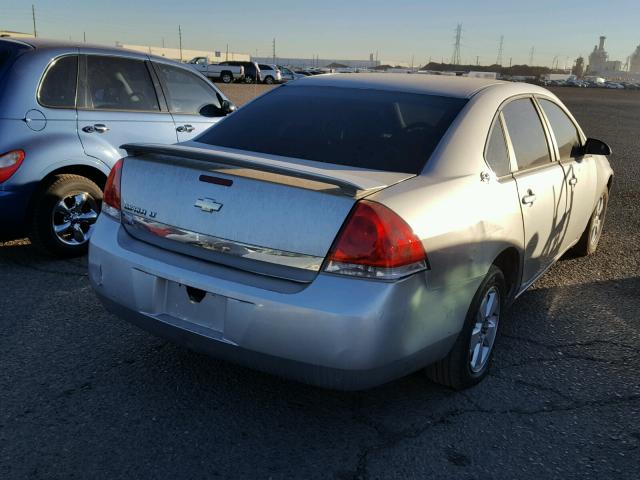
[(382, 225)]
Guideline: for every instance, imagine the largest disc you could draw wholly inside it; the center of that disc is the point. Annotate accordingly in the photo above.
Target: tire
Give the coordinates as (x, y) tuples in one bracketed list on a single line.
[(466, 366), (226, 77), (590, 238), (248, 79), (64, 214), (269, 80)]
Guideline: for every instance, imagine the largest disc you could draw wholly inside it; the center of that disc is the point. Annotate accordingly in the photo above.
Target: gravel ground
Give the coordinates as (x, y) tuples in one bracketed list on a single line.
[(86, 395)]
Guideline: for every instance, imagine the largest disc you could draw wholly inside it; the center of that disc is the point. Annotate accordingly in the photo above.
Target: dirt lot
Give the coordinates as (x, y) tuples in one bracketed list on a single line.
[(86, 395)]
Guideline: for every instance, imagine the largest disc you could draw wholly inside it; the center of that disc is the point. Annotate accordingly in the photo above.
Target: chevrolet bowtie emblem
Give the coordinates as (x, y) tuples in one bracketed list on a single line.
[(208, 205)]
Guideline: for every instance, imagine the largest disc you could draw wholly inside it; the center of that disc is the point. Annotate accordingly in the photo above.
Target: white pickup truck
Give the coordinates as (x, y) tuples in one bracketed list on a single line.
[(214, 71)]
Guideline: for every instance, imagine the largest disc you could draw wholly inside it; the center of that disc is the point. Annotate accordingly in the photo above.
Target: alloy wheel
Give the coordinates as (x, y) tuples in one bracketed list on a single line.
[(598, 220), (74, 218), (484, 331)]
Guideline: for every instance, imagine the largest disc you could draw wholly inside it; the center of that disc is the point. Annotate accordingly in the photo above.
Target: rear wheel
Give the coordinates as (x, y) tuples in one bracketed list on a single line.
[(226, 77), (65, 213), (468, 361), (269, 80), (590, 238)]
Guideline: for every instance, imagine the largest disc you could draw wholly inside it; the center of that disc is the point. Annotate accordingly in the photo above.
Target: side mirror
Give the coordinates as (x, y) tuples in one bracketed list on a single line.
[(595, 147), (228, 107), (211, 110)]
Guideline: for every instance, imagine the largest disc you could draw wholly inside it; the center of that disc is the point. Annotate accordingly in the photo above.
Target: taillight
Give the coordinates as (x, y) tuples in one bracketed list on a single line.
[(111, 196), (9, 163), (376, 243)]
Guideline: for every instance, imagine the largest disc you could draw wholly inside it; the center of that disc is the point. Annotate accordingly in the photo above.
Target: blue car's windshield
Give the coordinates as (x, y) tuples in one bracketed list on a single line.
[(375, 129)]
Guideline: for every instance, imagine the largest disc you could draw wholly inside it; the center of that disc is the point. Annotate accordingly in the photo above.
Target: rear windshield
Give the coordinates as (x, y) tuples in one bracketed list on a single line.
[(374, 129)]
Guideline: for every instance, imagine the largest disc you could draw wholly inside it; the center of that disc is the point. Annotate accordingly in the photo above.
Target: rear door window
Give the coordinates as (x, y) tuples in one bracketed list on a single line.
[(564, 130), (116, 83), (374, 129), (527, 135), (58, 87), (497, 155), (186, 93)]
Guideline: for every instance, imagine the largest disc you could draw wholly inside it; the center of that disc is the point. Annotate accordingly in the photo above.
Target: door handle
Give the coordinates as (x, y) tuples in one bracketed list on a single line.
[(529, 198), (573, 181), (98, 127), (185, 128)]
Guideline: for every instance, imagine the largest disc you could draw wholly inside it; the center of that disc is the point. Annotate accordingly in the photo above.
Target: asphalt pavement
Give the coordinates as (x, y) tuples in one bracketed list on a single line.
[(85, 395)]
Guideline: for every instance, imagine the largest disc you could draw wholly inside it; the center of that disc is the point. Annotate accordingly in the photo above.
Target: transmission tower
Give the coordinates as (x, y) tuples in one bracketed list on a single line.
[(455, 59), (531, 52), (499, 59)]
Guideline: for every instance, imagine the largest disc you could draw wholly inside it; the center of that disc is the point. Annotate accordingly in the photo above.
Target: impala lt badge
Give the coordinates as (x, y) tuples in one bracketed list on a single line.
[(208, 205)]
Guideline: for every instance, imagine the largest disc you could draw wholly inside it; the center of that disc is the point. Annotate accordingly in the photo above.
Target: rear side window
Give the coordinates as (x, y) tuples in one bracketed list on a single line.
[(58, 87), (374, 129), (265, 67), (116, 83), (526, 133), (8, 53), (563, 129), (186, 93), (497, 155)]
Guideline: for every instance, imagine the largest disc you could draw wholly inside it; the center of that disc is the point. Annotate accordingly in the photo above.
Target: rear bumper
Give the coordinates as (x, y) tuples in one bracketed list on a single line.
[(335, 332), (14, 205)]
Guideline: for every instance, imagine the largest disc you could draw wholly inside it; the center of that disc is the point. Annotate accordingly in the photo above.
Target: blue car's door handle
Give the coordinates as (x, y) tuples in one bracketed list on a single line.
[(98, 127)]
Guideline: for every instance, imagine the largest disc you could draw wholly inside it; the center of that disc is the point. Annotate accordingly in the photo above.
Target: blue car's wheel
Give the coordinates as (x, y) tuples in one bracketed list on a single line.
[(64, 215)]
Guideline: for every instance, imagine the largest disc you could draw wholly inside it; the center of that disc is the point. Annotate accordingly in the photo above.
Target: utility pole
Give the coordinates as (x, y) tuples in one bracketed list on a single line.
[(84, 36), (274, 50), (510, 60), (412, 58), (33, 15), (455, 58), (180, 40), (499, 59), (162, 42), (531, 53), (477, 60), (226, 55)]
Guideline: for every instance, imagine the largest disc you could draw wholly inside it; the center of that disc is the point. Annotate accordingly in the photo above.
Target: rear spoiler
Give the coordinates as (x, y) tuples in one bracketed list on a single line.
[(248, 161)]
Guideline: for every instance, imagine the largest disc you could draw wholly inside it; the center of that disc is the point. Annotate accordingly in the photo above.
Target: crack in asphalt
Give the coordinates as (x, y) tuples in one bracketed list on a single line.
[(390, 438)]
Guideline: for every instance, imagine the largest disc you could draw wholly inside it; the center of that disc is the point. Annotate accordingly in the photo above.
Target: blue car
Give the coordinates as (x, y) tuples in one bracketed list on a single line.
[(65, 109)]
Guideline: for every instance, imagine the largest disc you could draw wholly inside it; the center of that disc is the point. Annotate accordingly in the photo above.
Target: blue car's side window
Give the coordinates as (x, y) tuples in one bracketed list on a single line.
[(58, 87)]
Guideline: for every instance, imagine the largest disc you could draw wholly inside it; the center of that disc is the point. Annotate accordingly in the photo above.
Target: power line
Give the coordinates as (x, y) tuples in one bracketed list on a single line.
[(499, 59), (455, 58), (274, 50), (33, 15)]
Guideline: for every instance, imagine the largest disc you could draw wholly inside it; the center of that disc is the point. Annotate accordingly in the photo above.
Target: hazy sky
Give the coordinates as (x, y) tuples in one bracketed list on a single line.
[(346, 29)]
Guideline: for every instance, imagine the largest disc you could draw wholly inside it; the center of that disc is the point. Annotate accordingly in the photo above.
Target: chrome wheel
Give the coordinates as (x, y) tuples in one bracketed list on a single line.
[(484, 331), (74, 217), (598, 221)]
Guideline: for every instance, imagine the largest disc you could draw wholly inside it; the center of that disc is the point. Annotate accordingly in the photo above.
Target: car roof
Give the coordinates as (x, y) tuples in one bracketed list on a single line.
[(40, 44), (442, 85)]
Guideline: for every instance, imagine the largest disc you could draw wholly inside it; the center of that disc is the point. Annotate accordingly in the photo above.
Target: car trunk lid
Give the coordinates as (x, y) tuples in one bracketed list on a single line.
[(262, 213)]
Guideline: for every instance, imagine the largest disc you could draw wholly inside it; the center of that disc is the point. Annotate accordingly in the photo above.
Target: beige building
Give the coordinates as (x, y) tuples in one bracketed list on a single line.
[(9, 33), (214, 56)]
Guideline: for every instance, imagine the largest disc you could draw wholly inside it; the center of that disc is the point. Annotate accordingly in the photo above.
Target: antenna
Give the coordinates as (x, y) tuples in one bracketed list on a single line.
[(531, 53), (499, 59), (455, 59)]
